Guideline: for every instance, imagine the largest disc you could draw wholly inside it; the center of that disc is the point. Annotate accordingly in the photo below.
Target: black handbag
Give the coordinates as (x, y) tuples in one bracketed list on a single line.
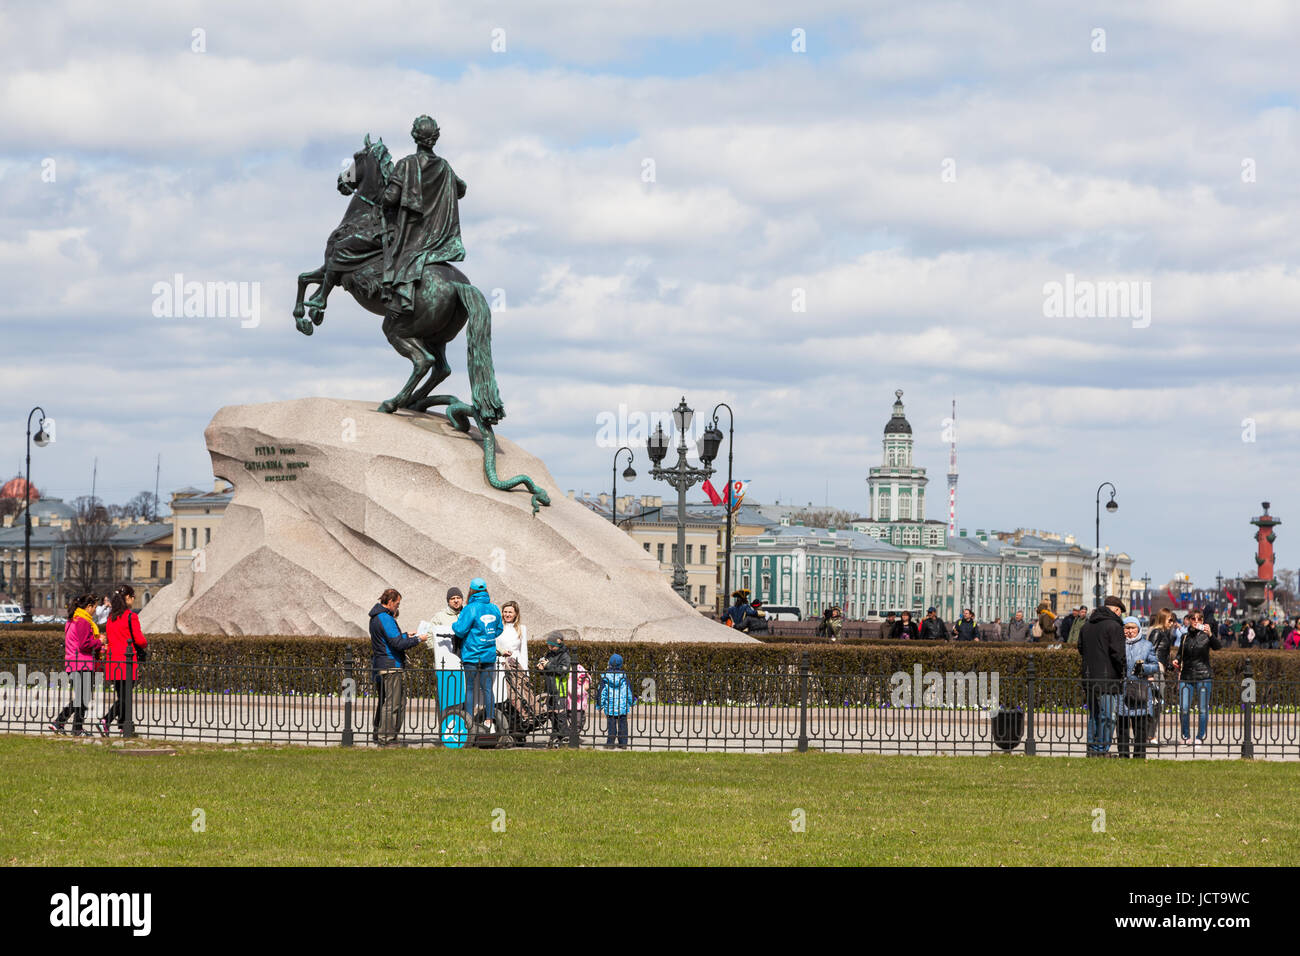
[(141, 653), (1137, 694)]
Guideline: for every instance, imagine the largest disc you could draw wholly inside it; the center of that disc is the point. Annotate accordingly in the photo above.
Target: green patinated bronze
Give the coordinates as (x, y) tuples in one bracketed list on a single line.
[(393, 252)]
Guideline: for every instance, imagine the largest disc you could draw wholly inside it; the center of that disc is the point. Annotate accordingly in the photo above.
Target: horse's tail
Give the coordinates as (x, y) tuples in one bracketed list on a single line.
[(482, 376)]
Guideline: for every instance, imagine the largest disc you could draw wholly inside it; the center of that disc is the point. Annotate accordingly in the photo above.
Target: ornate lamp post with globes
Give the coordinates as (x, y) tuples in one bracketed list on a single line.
[(681, 477)]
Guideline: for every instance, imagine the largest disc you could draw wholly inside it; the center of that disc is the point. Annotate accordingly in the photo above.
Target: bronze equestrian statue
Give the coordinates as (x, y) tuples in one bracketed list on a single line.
[(393, 252)]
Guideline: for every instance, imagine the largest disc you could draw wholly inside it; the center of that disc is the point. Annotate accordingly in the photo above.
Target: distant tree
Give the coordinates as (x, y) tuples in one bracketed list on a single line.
[(89, 562), (144, 505), (10, 506)]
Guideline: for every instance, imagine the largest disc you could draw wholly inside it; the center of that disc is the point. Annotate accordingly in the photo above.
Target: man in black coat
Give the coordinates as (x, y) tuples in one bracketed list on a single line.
[(932, 628), (1101, 650)]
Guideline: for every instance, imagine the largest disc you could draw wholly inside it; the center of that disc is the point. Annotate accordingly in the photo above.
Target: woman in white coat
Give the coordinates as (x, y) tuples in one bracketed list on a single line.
[(511, 645)]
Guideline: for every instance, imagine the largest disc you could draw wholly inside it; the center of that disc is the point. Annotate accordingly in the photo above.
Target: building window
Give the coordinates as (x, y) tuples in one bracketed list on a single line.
[(661, 554), (153, 569), (207, 535), (1051, 572), (882, 509), (169, 570), (905, 507), (704, 548), (690, 554), (701, 599), (647, 547), (674, 554)]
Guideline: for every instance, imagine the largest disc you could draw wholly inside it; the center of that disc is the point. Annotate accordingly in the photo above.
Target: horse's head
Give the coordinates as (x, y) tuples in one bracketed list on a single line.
[(369, 170)]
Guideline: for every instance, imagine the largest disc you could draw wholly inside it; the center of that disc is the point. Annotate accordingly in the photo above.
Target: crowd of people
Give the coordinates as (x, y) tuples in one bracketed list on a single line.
[(1128, 676), (489, 645), (102, 633), (1047, 627)]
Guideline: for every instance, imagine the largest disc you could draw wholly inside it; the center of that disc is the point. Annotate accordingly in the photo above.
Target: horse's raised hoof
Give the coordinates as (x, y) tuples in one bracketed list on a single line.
[(387, 407), (318, 316), (305, 327)]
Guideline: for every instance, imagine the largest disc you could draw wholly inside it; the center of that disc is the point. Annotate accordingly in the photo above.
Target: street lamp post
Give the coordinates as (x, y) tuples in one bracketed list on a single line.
[(42, 440), (1146, 594), (726, 500), (681, 477), (628, 473), (1112, 507)]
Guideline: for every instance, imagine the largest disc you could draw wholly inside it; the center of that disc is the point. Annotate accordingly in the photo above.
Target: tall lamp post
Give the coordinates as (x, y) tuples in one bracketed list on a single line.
[(716, 434), (628, 474), (42, 440), (681, 477), (1146, 594), (1112, 507)]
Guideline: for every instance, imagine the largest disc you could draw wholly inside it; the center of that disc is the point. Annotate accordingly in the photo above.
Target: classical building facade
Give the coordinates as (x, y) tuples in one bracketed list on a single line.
[(1069, 569), (948, 572), (195, 517), (65, 564)]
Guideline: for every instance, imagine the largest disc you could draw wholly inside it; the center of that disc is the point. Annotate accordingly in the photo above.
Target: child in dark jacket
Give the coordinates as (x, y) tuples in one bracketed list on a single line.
[(615, 699), (555, 665)]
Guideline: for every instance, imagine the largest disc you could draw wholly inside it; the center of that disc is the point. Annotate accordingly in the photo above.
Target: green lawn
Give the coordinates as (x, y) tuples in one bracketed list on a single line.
[(64, 802)]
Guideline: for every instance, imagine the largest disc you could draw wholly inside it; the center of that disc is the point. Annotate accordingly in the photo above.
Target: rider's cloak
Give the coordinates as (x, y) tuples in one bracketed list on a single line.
[(425, 191)]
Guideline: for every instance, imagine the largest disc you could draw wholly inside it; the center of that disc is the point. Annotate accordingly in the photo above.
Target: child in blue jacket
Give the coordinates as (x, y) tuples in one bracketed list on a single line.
[(615, 699)]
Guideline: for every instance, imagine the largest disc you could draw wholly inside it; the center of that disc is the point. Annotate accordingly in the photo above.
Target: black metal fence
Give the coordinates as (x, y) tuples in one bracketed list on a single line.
[(908, 712)]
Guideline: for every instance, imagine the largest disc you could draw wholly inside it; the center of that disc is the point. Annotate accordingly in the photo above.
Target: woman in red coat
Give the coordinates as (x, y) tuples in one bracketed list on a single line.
[(122, 629)]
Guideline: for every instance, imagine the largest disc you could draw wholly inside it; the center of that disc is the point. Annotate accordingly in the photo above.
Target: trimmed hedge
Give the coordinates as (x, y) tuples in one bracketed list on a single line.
[(779, 656)]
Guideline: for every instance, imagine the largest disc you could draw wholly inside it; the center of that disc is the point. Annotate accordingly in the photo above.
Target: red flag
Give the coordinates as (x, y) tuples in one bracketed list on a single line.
[(712, 492), (1173, 600), (1230, 597)]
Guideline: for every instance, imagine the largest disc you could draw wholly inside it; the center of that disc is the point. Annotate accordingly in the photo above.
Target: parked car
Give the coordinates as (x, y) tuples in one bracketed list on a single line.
[(11, 614)]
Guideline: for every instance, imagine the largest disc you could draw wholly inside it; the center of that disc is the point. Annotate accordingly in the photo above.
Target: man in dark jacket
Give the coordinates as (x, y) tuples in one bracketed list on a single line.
[(966, 629), (1018, 628), (388, 647), (556, 664), (932, 628), (1069, 628), (1101, 649)]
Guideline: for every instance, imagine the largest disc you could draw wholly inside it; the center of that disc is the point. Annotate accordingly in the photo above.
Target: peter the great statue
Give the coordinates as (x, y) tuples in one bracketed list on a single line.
[(393, 252)]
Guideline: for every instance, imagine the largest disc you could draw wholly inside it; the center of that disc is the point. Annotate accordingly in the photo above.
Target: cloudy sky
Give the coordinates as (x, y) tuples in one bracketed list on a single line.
[(793, 208)]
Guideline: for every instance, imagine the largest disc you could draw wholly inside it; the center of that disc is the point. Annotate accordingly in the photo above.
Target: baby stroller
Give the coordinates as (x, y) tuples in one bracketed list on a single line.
[(529, 711), (524, 710)]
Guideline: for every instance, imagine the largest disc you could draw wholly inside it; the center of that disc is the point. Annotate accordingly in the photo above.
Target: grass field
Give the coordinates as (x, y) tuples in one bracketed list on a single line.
[(64, 802)]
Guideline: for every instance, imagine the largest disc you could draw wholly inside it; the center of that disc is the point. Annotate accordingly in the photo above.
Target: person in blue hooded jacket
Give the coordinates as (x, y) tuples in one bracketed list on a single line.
[(388, 647), (616, 699), (478, 627)]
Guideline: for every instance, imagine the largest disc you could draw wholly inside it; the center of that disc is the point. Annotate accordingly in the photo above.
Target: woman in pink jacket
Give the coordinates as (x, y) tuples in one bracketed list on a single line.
[(81, 642)]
